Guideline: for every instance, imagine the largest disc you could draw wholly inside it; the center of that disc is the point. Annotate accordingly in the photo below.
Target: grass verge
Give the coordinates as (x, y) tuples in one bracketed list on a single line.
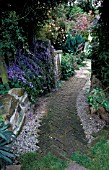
[(97, 158), (33, 161)]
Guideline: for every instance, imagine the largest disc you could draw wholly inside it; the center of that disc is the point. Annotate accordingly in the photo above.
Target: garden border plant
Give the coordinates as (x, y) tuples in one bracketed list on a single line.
[(67, 66), (34, 71), (6, 139), (98, 98)]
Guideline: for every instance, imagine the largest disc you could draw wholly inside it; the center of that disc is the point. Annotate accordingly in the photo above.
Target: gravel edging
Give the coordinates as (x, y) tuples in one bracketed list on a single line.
[(91, 123), (27, 140)]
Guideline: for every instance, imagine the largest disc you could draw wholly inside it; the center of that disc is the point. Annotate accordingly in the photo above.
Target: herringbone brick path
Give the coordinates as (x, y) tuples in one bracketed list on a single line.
[(61, 131)]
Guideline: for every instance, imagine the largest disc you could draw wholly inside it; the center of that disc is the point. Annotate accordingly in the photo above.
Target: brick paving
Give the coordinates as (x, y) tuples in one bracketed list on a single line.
[(61, 131)]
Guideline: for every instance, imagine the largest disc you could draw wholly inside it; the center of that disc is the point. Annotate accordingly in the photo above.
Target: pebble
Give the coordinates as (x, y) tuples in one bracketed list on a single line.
[(27, 140)]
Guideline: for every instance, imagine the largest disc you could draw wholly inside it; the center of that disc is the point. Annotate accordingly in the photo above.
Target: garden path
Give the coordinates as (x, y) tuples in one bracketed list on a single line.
[(61, 130)]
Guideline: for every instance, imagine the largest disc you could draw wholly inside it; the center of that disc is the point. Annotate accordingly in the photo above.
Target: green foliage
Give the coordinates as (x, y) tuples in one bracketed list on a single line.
[(88, 50), (35, 162), (98, 98), (73, 11), (11, 34), (4, 88), (6, 137), (33, 14), (85, 5), (72, 44), (33, 93), (81, 159), (1, 118), (59, 83), (54, 29), (67, 66), (100, 55), (80, 58), (103, 71), (96, 158)]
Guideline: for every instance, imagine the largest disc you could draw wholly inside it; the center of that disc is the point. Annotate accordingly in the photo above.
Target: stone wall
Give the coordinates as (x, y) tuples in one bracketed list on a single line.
[(13, 107)]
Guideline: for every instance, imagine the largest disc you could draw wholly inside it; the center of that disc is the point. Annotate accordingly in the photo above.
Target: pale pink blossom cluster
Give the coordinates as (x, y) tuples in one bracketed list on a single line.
[(81, 24)]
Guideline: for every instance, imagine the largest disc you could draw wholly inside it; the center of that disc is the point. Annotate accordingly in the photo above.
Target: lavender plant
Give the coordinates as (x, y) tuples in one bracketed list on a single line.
[(33, 70)]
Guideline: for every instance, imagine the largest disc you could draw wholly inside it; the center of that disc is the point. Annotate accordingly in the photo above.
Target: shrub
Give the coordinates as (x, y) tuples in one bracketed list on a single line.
[(67, 67), (79, 22), (81, 25), (73, 45)]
